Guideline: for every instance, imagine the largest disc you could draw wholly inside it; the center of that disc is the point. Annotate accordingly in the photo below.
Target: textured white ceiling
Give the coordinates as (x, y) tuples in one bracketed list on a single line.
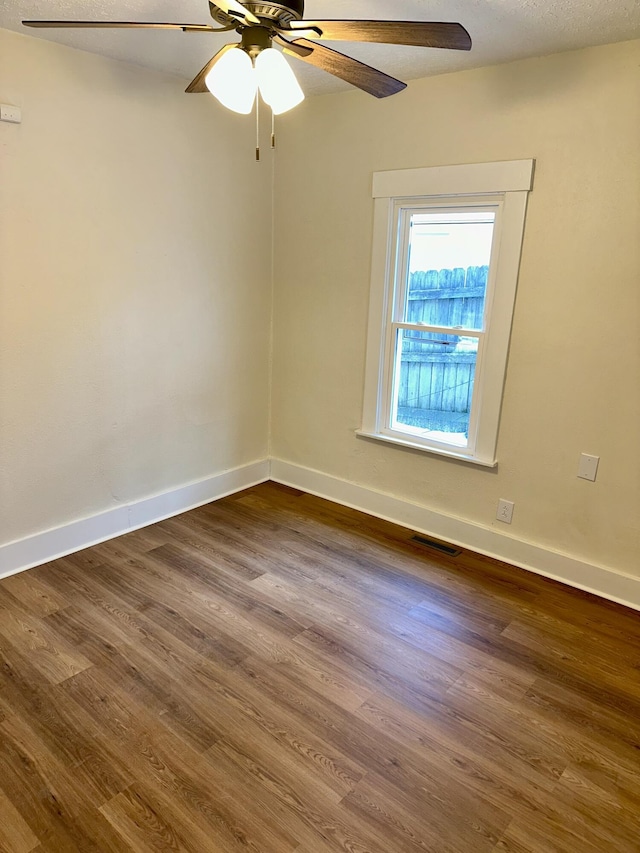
[(502, 30)]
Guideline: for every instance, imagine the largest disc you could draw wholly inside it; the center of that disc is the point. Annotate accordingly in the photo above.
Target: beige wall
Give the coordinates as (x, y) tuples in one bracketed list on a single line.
[(574, 372), (135, 243), (135, 290)]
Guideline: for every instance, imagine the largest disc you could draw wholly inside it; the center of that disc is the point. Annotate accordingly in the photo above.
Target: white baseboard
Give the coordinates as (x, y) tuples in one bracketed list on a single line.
[(600, 580), (51, 544), (57, 542)]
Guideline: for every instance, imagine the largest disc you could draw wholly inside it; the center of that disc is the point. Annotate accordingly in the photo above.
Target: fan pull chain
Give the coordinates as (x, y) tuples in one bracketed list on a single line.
[(257, 128), (273, 129)]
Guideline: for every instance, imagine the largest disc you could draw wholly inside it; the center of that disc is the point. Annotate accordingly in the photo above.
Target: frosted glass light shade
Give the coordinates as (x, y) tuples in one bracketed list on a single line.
[(277, 82), (233, 81)]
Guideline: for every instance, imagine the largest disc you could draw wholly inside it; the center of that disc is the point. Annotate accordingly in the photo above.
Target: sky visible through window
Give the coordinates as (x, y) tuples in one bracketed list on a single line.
[(450, 240)]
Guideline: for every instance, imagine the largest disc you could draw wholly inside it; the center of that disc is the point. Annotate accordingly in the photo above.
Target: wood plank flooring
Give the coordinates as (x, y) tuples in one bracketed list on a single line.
[(274, 673)]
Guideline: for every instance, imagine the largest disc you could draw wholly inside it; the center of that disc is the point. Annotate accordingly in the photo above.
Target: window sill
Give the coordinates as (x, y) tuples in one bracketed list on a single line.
[(414, 445)]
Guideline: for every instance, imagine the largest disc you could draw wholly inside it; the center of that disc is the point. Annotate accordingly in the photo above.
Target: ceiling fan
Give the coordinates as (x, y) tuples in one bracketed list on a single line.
[(234, 76)]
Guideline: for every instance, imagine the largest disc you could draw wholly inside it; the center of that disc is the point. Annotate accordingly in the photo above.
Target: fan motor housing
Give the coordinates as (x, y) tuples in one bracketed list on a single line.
[(276, 13)]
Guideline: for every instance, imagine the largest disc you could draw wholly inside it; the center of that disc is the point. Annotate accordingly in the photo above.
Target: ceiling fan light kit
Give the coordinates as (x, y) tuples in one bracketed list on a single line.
[(253, 66), (239, 71)]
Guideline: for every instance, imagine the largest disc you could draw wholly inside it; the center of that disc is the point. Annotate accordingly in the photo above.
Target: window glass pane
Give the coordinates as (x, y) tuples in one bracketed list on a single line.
[(448, 267), (433, 385)]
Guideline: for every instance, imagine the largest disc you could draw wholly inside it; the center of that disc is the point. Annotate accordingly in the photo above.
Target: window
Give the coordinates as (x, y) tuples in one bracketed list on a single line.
[(445, 260)]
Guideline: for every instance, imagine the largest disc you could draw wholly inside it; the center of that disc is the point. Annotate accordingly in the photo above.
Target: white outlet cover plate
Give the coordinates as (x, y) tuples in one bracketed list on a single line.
[(505, 511), (588, 467), (9, 113)]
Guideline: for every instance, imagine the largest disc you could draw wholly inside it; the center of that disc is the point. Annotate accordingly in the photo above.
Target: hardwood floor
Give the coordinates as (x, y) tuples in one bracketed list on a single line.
[(275, 673)]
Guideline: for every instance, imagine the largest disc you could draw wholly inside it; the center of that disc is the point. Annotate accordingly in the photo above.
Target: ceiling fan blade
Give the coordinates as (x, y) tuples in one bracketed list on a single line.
[(122, 25), (414, 33), (198, 85), (296, 48), (232, 7), (368, 79)]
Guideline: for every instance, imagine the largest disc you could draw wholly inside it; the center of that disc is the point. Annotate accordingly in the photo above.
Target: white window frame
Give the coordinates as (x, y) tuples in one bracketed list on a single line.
[(503, 186)]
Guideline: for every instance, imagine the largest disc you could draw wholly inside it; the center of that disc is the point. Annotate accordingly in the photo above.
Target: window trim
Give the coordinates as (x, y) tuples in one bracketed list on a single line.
[(507, 183)]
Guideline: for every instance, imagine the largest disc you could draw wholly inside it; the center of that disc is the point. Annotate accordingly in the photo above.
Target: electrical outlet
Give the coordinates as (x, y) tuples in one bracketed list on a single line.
[(10, 113), (505, 511)]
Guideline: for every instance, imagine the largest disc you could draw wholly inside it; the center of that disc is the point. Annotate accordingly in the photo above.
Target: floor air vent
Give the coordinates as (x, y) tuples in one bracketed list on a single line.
[(449, 550)]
